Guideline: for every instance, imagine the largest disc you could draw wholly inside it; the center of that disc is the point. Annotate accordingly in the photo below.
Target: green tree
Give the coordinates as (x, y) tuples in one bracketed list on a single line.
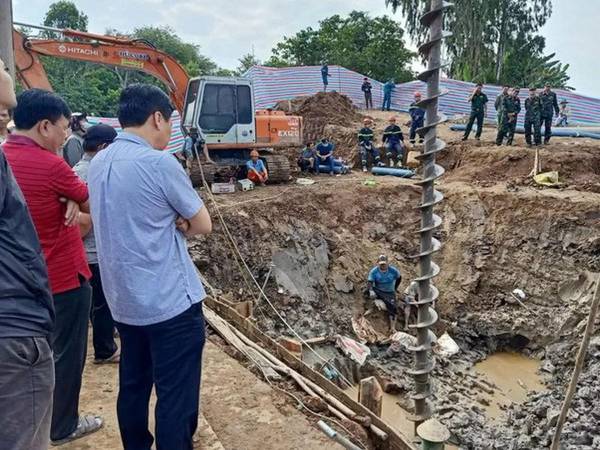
[(247, 61), (64, 14), (485, 33), (372, 46), (188, 55), (94, 88)]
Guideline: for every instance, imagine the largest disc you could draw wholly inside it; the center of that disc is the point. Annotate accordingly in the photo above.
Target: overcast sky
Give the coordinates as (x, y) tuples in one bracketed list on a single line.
[(228, 29)]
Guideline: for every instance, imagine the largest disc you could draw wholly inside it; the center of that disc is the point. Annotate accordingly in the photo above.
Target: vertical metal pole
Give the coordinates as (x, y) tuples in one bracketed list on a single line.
[(7, 52), (428, 293)]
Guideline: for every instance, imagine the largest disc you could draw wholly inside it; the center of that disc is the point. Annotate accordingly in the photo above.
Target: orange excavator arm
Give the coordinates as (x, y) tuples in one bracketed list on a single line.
[(109, 50)]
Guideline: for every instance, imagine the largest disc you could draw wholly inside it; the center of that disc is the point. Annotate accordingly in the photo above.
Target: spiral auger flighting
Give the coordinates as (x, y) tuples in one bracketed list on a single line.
[(428, 293)]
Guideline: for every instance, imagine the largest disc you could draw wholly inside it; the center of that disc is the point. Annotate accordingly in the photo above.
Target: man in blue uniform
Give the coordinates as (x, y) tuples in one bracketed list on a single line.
[(417, 119), (388, 87), (393, 139), (325, 75), (325, 155), (382, 283)]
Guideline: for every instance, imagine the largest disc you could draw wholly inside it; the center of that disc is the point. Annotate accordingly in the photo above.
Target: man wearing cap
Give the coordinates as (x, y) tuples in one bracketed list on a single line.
[(97, 138), (478, 102), (417, 119), (257, 172), (366, 88), (325, 75), (393, 139), (549, 108), (563, 114), (365, 145), (382, 283)]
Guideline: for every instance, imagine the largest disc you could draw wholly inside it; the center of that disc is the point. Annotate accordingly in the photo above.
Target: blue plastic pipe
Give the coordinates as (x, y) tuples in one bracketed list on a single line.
[(403, 173), (558, 132), (336, 169)]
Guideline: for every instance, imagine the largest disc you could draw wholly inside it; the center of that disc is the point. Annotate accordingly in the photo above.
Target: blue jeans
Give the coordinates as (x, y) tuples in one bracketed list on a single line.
[(329, 162), (394, 150), (387, 102), (562, 121), (167, 355)]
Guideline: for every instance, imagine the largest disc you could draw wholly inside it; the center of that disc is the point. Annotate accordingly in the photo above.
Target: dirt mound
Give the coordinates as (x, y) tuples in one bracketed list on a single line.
[(319, 110), (578, 167)]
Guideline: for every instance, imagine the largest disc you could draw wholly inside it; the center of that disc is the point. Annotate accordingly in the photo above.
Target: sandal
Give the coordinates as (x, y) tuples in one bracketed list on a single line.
[(85, 426), (114, 359)]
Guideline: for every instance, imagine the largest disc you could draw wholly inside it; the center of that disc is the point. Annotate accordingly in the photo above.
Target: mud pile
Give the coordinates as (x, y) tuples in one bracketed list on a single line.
[(498, 234), (326, 114)]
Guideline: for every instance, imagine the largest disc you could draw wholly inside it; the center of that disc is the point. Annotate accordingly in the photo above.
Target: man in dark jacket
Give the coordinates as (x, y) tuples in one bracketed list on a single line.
[(366, 88), (549, 108), (533, 111), (26, 316), (393, 140), (478, 102), (366, 146), (417, 119)]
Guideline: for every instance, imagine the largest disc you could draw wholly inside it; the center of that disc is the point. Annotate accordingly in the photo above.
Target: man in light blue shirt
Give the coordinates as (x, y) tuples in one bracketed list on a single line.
[(382, 283), (143, 206)]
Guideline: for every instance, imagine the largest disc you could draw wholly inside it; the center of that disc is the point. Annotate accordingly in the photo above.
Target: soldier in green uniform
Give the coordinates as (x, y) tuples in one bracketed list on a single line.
[(533, 117), (478, 102), (508, 117), (549, 108), (517, 109), (499, 103)]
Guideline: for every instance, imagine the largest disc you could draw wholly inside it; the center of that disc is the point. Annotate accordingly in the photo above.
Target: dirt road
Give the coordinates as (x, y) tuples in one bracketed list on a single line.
[(241, 411)]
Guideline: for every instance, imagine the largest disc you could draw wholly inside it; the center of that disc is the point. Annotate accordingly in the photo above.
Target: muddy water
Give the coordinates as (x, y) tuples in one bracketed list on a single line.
[(395, 416), (392, 413), (513, 375)]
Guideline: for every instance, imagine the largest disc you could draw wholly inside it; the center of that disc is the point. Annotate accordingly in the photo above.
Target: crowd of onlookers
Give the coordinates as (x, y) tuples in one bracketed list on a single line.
[(93, 224)]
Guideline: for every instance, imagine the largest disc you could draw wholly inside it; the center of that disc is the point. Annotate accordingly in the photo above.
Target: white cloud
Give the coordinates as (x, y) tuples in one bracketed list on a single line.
[(227, 30)]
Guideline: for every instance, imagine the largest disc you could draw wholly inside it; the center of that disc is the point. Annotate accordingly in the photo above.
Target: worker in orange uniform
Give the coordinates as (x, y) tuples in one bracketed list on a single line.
[(257, 172)]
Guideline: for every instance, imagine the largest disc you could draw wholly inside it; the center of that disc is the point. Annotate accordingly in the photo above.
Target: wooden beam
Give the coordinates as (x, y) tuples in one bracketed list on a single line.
[(387, 438)]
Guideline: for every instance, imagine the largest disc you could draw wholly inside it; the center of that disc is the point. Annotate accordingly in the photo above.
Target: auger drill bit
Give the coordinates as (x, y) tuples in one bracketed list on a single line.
[(428, 293)]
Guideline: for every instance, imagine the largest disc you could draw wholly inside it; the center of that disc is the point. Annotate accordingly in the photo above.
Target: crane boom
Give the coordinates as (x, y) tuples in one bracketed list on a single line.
[(108, 50)]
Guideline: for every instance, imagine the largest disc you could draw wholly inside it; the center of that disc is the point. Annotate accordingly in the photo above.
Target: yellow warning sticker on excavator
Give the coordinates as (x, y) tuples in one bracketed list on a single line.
[(132, 63)]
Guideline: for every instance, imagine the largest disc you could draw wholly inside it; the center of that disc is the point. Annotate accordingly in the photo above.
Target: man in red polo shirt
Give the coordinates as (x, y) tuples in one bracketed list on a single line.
[(55, 195)]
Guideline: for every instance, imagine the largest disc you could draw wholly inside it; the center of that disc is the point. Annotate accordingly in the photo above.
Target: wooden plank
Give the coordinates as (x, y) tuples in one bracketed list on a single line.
[(370, 395), (395, 440)]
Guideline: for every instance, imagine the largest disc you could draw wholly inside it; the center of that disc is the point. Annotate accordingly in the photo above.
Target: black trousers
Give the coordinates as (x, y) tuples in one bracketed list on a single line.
[(474, 116), (368, 100), (167, 355), (102, 321), (535, 126), (69, 341), (547, 122)]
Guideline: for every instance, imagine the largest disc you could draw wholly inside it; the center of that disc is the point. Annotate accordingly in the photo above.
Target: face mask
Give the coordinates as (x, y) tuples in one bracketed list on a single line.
[(85, 125)]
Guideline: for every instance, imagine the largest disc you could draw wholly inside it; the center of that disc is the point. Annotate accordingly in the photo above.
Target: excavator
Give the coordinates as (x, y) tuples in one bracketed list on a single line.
[(219, 110)]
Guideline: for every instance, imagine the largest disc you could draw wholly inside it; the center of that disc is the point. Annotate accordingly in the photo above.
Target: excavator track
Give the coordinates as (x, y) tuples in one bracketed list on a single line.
[(196, 174), (278, 167)]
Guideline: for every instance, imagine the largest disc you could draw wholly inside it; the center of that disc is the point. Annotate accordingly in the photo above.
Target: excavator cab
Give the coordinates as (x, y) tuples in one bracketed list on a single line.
[(220, 110)]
